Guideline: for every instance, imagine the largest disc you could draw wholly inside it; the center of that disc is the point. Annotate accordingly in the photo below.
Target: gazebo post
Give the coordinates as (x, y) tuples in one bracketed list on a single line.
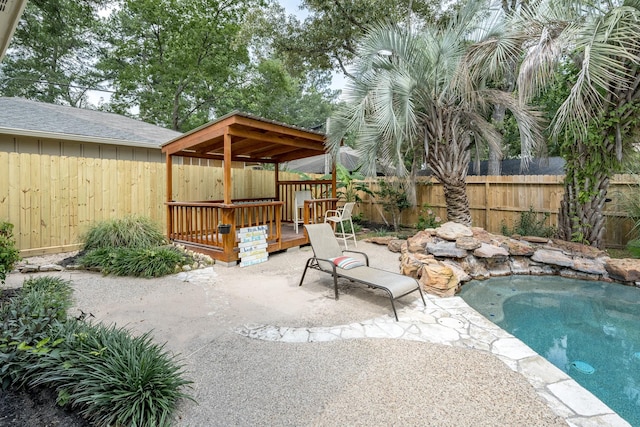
[(334, 188), (228, 214), (276, 168), (169, 195)]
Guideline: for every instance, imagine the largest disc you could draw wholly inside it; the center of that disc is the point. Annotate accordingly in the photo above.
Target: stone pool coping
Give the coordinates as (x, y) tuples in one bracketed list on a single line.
[(451, 321)]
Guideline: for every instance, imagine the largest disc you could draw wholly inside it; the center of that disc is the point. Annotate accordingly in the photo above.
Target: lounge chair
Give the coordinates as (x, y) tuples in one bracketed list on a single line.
[(329, 258)]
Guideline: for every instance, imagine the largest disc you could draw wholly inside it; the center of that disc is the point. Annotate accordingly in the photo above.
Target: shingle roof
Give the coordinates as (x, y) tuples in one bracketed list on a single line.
[(59, 120)]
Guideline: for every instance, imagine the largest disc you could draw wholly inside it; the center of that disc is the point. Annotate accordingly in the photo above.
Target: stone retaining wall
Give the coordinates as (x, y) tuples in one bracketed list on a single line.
[(443, 259)]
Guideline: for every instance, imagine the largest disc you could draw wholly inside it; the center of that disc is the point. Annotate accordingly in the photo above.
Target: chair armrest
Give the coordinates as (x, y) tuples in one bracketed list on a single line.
[(366, 257), (326, 213), (333, 265)]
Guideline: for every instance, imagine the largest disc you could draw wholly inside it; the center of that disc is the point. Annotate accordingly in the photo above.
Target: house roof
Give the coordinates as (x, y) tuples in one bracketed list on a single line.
[(10, 12), (20, 116), (253, 139)]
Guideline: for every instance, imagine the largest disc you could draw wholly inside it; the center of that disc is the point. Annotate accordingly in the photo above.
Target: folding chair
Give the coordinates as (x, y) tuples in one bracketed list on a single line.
[(329, 258), (340, 216)]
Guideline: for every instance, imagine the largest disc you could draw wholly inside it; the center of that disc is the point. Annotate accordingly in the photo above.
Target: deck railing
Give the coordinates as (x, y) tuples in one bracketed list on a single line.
[(320, 193), (196, 223)]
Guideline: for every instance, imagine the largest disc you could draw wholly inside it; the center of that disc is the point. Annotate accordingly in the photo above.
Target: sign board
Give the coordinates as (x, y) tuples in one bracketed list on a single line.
[(252, 245)]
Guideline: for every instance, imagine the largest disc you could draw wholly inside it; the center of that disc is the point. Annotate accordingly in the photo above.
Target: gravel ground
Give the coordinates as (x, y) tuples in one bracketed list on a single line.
[(244, 382)]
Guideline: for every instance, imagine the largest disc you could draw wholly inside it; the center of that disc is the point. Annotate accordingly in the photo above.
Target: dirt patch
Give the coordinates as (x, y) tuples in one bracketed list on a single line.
[(36, 408)]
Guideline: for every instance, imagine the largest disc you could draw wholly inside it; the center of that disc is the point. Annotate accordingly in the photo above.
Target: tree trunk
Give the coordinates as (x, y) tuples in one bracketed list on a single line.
[(581, 217), (455, 193), (495, 156), (448, 157)]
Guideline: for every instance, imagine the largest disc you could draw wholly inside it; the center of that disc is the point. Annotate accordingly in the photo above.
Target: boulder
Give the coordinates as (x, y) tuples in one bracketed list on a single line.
[(410, 266), (439, 279), (380, 240), (395, 245), (548, 256), (452, 231), (535, 239), (590, 266), (475, 268), (519, 265), (446, 250), (419, 242), (578, 249), (626, 270), (490, 251), (460, 273), (518, 247), (468, 243)]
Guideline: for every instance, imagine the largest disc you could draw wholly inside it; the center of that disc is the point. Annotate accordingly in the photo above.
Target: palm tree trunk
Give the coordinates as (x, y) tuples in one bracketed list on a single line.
[(448, 157), (581, 218)]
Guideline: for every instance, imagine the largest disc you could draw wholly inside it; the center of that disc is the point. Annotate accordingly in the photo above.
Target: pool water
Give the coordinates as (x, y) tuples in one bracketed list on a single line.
[(590, 330)]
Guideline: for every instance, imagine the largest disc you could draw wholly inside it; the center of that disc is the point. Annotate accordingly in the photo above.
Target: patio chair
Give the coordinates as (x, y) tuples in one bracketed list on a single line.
[(340, 216), (329, 258), (299, 198)]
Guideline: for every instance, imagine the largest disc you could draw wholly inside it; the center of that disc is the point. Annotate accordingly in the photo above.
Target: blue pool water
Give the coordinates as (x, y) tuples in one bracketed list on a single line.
[(590, 330)]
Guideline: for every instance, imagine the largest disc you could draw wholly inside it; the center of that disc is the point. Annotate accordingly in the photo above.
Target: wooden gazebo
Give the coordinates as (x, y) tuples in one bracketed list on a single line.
[(240, 137)]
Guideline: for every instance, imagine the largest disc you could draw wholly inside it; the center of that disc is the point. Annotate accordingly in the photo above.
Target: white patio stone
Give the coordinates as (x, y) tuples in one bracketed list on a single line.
[(540, 371), (438, 334), (555, 404), (611, 420), (512, 348), (375, 331), (295, 335), (578, 399), (321, 336)]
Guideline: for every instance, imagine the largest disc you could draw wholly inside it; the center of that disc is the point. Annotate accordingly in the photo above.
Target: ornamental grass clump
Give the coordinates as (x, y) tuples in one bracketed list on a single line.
[(108, 375), (128, 232), (113, 378), (132, 246)]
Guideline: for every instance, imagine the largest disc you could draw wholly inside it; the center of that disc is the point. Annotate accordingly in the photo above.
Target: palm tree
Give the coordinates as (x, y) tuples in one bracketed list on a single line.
[(597, 47), (412, 94)]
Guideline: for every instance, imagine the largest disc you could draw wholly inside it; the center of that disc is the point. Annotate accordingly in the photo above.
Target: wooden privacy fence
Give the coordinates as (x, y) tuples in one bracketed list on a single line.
[(498, 200), (52, 200)]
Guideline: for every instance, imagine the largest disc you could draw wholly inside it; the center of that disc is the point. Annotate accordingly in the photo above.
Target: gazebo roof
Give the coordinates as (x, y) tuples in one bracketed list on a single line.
[(253, 139)]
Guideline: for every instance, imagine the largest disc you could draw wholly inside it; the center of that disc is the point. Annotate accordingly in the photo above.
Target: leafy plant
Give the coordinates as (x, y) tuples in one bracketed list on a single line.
[(113, 377), (110, 376), (349, 184), (26, 323), (633, 246), (128, 232), (394, 200), (630, 202), (137, 262), (530, 224), (9, 254), (427, 218)]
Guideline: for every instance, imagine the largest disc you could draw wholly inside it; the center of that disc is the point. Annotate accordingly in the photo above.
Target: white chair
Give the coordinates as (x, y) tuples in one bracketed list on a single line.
[(342, 215), (298, 215)]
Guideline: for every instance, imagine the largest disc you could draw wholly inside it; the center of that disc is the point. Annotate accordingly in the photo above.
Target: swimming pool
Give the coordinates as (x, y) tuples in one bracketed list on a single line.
[(590, 330)]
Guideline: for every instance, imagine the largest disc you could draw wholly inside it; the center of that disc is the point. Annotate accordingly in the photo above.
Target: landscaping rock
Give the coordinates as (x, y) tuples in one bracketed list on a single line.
[(395, 245), (380, 240), (439, 279), (468, 243), (518, 247), (553, 257), (490, 251), (446, 250), (627, 270), (453, 231), (494, 255), (419, 242), (29, 268), (51, 267)]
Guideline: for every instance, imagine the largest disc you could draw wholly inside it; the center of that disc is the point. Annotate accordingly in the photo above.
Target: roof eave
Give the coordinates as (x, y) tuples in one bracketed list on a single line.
[(79, 138)]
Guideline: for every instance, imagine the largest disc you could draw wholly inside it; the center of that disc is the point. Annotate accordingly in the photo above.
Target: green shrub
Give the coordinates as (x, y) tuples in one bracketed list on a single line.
[(111, 376), (26, 323), (633, 246), (137, 262), (128, 232), (9, 254), (530, 225), (427, 218)]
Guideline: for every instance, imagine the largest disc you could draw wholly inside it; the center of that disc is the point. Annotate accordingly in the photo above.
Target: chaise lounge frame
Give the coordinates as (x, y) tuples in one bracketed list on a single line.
[(325, 246)]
